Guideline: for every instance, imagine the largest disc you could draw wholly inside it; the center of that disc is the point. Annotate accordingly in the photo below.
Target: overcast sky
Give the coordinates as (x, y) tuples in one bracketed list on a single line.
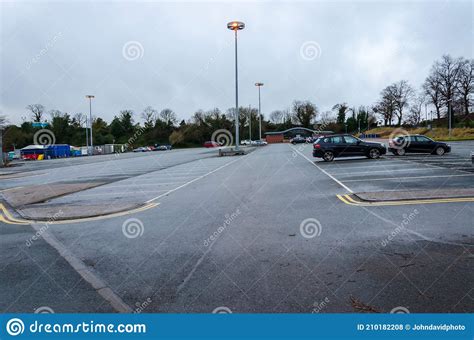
[(180, 55)]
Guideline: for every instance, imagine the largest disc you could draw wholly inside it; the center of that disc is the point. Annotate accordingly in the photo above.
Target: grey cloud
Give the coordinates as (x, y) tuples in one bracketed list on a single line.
[(56, 53)]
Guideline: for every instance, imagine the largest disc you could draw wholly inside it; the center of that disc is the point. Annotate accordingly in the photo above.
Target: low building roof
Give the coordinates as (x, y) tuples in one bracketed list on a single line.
[(35, 147), (297, 129)]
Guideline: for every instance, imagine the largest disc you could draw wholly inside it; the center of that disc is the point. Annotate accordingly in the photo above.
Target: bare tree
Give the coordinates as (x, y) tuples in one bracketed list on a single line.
[(198, 117), (277, 116), (80, 118), (3, 121), (402, 92), (168, 116), (342, 110), (416, 109), (55, 114), (447, 70), (432, 89), (466, 84), (37, 112), (304, 113), (386, 106), (149, 115)]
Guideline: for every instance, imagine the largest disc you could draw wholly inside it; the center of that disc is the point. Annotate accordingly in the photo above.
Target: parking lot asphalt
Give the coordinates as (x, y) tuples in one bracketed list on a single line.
[(263, 232), (409, 173)]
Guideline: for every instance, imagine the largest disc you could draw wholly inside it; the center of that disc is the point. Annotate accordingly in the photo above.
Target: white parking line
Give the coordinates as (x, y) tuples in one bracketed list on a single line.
[(444, 161), (388, 170), (323, 171), (341, 165), (368, 179), (83, 270), (121, 186), (193, 180)]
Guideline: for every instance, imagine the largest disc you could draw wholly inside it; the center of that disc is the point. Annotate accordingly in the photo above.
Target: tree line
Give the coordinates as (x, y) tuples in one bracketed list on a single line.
[(449, 85)]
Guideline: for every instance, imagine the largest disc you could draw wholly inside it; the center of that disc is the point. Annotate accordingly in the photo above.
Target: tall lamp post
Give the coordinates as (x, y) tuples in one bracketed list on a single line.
[(259, 85), (250, 123), (90, 97), (87, 134), (449, 116), (236, 26)]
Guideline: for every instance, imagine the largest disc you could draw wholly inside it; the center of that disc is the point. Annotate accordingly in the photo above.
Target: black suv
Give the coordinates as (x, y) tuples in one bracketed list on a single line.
[(328, 147), (417, 143)]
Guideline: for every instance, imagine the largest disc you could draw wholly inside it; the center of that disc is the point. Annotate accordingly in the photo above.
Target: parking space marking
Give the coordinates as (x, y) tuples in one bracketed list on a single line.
[(347, 199), (388, 170), (192, 181), (404, 178), (100, 286), (323, 171)]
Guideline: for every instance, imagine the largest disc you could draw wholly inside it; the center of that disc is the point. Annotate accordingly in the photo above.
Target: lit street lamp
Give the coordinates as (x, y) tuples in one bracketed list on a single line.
[(259, 110), (90, 97), (236, 26)]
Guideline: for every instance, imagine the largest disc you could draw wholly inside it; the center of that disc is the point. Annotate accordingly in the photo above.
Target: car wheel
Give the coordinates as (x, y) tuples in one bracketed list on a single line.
[(401, 152), (374, 153), (440, 151), (328, 156)]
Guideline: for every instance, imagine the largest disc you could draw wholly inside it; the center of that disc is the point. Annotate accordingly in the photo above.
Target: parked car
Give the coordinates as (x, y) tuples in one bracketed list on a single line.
[(297, 140), (259, 142), (246, 142), (417, 144), (310, 139), (12, 155), (329, 147), (141, 149), (163, 147), (211, 144)]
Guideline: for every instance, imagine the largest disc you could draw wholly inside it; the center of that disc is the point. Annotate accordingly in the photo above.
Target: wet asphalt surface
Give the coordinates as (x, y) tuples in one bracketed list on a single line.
[(259, 233)]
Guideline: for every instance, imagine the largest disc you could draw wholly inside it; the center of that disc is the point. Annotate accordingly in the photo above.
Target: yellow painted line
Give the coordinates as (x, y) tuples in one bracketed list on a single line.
[(350, 201), (349, 198), (2, 219), (96, 218), (9, 216), (6, 217), (343, 200)]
